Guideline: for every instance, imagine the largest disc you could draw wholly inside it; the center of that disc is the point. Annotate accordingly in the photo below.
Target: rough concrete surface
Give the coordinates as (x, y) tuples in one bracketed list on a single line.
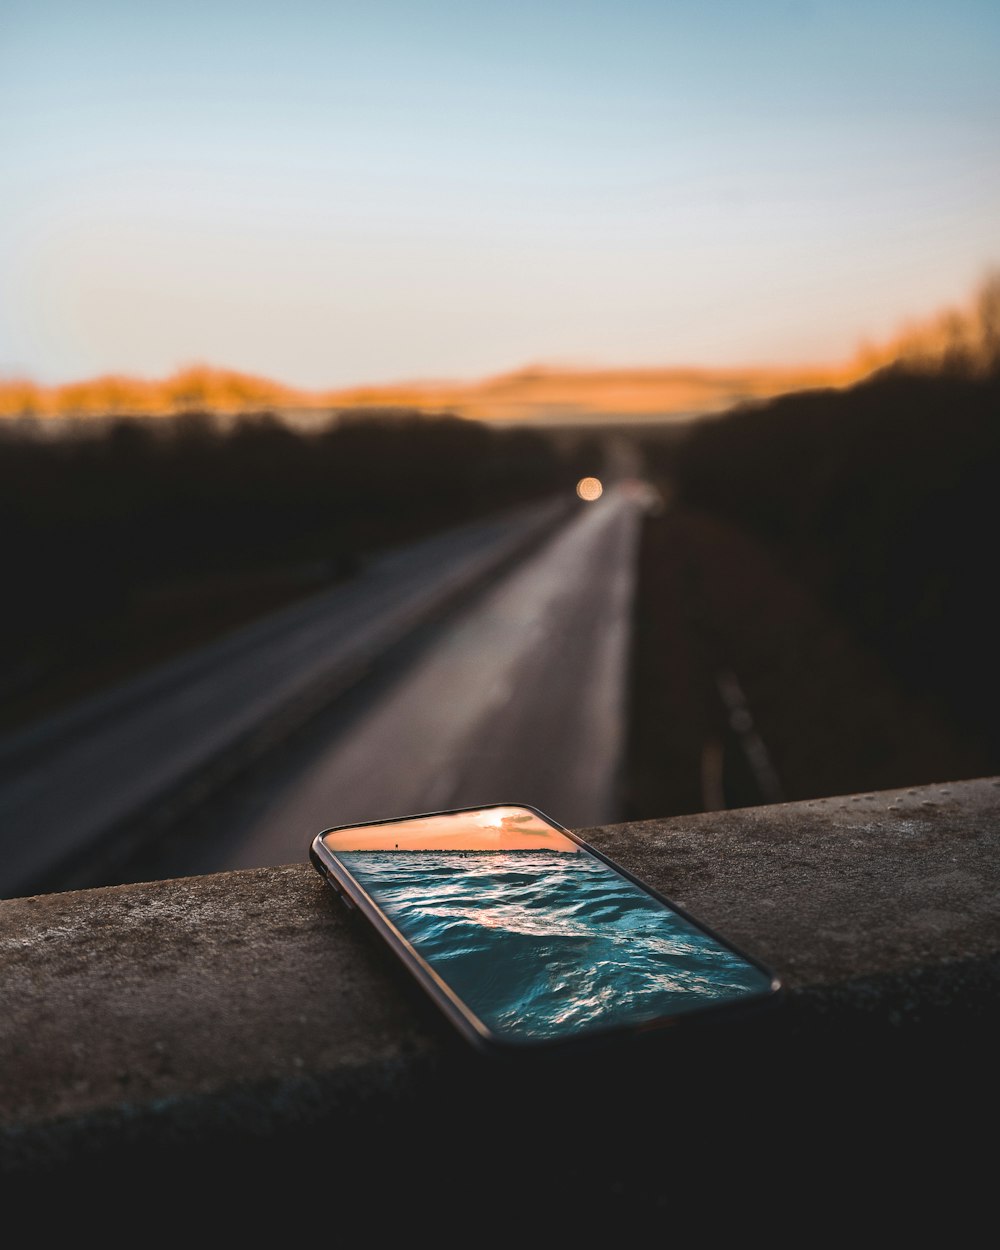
[(186, 1032)]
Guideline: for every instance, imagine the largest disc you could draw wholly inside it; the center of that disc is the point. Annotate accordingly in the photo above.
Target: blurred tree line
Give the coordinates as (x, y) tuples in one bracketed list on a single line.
[(104, 516), (884, 499)]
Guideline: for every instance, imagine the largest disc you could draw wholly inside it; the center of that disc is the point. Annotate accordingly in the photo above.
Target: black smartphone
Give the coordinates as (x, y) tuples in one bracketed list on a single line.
[(529, 939)]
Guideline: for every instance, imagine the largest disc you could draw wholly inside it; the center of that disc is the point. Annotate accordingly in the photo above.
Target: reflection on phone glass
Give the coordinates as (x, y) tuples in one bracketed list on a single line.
[(539, 937)]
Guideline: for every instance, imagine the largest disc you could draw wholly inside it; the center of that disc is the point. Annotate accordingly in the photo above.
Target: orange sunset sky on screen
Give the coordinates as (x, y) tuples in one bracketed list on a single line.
[(502, 829)]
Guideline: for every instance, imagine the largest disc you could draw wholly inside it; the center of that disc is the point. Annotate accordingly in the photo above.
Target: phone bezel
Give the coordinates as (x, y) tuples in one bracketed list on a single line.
[(458, 1012)]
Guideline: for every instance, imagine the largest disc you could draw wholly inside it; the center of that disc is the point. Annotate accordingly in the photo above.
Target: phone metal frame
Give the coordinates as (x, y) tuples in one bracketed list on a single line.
[(356, 898)]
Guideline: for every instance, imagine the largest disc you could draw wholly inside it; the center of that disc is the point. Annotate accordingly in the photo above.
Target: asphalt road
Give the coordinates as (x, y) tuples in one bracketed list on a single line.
[(79, 785), (519, 697)]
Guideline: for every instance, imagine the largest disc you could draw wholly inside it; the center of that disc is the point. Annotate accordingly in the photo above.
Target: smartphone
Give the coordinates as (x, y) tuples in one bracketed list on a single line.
[(527, 938)]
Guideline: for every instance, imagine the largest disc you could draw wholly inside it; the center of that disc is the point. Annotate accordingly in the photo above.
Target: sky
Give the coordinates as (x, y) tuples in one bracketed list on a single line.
[(338, 192)]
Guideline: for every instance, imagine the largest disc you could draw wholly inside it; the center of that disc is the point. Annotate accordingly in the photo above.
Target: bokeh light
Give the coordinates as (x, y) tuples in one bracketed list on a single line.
[(589, 489)]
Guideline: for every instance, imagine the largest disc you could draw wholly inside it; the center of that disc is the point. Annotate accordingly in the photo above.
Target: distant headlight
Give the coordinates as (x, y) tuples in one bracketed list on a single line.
[(589, 489)]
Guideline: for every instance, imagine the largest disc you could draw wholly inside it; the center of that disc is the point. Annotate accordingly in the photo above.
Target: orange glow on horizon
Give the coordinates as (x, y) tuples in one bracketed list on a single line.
[(538, 393), (969, 334)]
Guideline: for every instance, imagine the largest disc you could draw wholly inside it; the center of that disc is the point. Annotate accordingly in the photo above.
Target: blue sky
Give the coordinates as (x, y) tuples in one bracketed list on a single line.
[(342, 193)]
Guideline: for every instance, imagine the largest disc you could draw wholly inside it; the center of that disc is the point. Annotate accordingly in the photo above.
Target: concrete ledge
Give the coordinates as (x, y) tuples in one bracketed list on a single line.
[(188, 1035)]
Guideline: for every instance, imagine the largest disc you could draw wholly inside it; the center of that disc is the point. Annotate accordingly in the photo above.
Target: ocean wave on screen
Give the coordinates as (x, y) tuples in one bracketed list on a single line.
[(542, 943)]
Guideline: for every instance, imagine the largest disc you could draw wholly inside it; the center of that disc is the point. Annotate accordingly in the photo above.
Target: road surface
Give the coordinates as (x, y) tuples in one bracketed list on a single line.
[(76, 786), (521, 697)]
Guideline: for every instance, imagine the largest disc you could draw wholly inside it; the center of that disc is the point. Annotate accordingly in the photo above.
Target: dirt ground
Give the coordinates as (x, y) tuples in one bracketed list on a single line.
[(745, 691)]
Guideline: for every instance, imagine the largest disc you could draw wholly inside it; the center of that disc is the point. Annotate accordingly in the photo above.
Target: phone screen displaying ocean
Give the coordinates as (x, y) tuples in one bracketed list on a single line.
[(541, 944)]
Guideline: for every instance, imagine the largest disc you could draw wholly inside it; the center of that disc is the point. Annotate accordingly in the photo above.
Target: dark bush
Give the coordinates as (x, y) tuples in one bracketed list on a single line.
[(883, 498)]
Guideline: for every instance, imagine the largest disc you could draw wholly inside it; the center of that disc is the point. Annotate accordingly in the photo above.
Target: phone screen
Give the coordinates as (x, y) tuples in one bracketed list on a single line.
[(528, 933)]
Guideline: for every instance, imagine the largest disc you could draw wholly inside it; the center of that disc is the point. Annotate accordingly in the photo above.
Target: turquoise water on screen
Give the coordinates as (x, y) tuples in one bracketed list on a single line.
[(541, 944)]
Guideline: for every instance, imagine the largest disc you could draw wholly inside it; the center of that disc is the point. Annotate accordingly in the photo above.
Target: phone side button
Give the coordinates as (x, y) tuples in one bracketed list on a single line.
[(337, 889)]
